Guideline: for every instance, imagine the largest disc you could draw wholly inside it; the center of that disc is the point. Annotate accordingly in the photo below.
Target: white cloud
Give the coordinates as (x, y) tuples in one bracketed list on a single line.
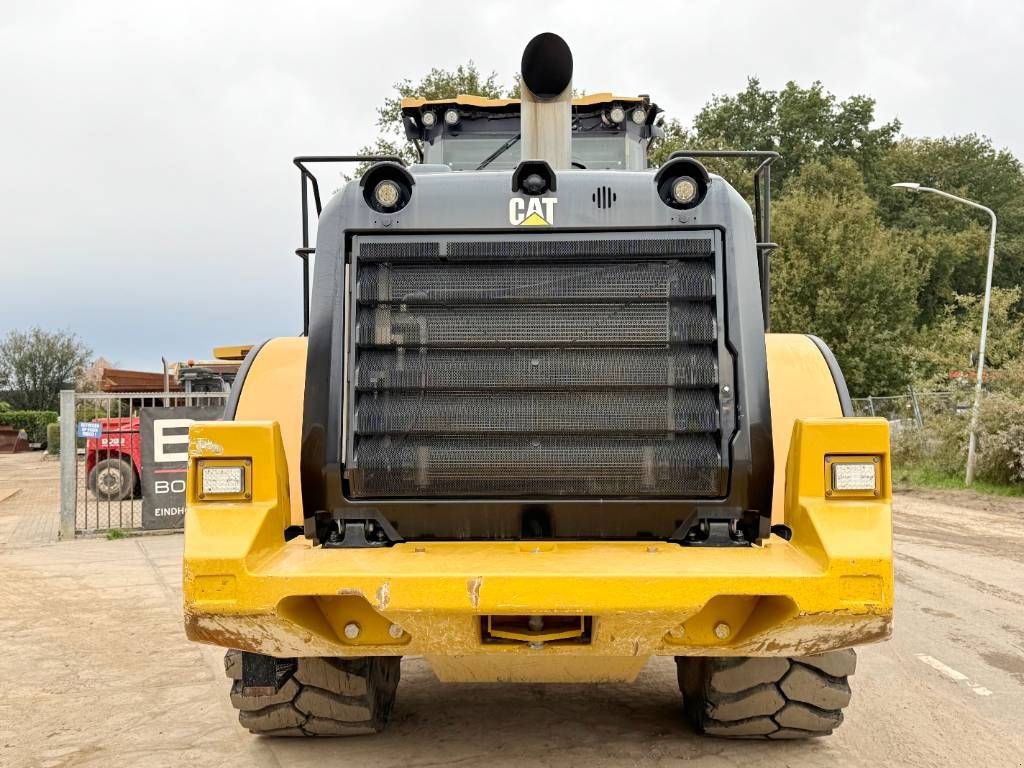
[(147, 191)]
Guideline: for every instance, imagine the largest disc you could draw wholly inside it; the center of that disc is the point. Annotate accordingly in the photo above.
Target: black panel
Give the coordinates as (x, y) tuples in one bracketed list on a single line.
[(636, 281), (537, 466), (559, 368), (536, 249), (650, 411), (506, 325), (537, 368)]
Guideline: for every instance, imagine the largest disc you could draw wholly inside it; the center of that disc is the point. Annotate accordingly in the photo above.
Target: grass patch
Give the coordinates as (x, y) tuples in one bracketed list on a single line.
[(908, 478), (116, 533)]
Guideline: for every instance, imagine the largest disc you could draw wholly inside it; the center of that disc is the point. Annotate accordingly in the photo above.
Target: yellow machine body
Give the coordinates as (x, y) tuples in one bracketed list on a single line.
[(471, 608)]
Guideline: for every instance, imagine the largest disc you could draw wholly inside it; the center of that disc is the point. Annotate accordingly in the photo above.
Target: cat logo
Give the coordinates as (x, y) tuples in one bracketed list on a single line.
[(532, 212)]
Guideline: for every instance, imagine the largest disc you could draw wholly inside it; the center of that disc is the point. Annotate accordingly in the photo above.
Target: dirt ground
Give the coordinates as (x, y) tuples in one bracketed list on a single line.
[(96, 671)]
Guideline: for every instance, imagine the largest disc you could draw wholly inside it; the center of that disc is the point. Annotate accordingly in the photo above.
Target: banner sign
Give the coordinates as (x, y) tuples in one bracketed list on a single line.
[(164, 442)]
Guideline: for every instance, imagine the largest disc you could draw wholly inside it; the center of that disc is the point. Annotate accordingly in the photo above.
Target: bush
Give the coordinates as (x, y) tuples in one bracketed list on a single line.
[(33, 422), (1001, 439), (53, 439), (941, 445)]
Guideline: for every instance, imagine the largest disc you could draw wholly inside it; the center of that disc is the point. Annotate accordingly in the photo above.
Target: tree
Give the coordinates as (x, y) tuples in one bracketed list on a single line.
[(802, 124), (968, 166), (945, 258), (951, 344), (436, 84), (36, 364), (841, 275)]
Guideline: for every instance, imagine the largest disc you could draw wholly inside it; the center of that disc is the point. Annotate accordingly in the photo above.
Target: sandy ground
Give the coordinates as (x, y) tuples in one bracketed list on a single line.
[(96, 671)]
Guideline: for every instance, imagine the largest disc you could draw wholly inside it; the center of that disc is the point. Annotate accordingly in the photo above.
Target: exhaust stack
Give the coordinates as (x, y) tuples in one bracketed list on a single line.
[(546, 109)]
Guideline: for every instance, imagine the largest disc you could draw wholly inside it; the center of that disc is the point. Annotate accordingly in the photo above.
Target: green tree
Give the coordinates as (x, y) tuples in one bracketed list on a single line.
[(436, 84), (945, 257), (949, 348), (35, 365), (968, 166), (803, 124), (841, 275)]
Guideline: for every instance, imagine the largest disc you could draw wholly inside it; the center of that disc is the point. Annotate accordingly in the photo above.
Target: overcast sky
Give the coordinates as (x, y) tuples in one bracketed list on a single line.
[(147, 196)]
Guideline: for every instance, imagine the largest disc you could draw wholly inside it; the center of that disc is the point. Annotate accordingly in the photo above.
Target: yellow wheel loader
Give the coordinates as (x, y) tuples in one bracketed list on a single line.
[(536, 432)]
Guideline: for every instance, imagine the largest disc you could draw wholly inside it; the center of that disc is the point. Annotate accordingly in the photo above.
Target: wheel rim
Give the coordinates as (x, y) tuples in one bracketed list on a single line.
[(109, 482)]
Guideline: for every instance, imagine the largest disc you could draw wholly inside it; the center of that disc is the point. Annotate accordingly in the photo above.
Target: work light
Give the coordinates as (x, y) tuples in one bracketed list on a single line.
[(224, 479), (451, 117), (387, 194), (684, 190), (616, 114), (428, 119), (638, 116), (853, 476)]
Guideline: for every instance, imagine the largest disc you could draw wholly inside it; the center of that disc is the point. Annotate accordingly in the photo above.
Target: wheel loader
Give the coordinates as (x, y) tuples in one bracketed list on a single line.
[(536, 431)]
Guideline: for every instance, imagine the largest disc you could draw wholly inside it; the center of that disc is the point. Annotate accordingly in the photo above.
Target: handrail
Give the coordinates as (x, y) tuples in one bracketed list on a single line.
[(308, 180)]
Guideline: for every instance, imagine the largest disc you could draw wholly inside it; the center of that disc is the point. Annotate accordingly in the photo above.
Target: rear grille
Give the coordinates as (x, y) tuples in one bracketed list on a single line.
[(535, 367), (538, 466)]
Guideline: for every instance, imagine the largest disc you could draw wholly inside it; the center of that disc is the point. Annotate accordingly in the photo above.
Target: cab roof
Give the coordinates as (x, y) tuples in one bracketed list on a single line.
[(481, 102)]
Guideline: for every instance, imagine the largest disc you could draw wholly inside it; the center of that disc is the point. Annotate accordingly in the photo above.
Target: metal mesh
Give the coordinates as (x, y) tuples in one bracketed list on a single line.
[(531, 249), (594, 412), (583, 249), (537, 467), (399, 250), (536, 368), (517, 282), (536, 324), (483, 369)]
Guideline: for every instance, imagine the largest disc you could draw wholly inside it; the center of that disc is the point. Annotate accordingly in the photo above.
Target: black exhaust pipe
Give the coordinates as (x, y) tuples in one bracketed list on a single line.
[(546, 107), (547, 65)]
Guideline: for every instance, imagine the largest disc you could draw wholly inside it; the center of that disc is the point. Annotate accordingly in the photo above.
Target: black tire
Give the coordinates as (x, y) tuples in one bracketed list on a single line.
[(767, 698), (112, 480), (324, 697)]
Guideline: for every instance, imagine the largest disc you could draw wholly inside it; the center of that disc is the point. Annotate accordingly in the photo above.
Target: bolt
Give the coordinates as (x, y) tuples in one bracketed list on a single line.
[(652, 549), (536, 645), (536, 623), (352, 630), (722, 630), (726, 389), (396, 631)]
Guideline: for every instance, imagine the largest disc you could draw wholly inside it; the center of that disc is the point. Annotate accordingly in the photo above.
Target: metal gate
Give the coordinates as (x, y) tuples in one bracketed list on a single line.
[(102, 457)]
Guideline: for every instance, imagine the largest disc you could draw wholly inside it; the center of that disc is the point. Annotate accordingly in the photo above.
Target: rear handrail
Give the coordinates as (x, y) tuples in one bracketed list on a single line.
[(308, 181)]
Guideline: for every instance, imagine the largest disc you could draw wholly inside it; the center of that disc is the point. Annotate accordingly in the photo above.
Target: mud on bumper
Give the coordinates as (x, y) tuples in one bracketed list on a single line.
[(829, 587)]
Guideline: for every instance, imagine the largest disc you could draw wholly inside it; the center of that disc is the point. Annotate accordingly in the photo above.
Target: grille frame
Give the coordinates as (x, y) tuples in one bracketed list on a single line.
[(589, 248)]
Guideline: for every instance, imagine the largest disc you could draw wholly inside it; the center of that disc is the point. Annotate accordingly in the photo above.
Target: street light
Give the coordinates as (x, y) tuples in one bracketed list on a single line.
[(912, 186)]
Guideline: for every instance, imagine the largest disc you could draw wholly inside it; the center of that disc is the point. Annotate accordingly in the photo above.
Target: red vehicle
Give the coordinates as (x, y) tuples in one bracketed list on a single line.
[(113, 461)]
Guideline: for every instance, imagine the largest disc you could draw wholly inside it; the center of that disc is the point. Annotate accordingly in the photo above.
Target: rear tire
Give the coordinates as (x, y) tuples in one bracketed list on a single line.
[(766, 698), (324, 697), (112, 480)]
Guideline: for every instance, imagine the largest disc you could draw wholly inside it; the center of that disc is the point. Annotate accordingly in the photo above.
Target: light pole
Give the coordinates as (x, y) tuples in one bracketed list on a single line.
[(911, 186)]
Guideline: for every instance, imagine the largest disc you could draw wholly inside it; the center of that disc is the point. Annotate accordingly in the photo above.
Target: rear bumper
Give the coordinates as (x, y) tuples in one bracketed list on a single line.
[(830, 587)]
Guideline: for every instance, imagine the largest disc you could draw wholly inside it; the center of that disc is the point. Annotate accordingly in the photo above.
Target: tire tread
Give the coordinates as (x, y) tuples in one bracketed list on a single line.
[(766, 698), (324, 697)]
